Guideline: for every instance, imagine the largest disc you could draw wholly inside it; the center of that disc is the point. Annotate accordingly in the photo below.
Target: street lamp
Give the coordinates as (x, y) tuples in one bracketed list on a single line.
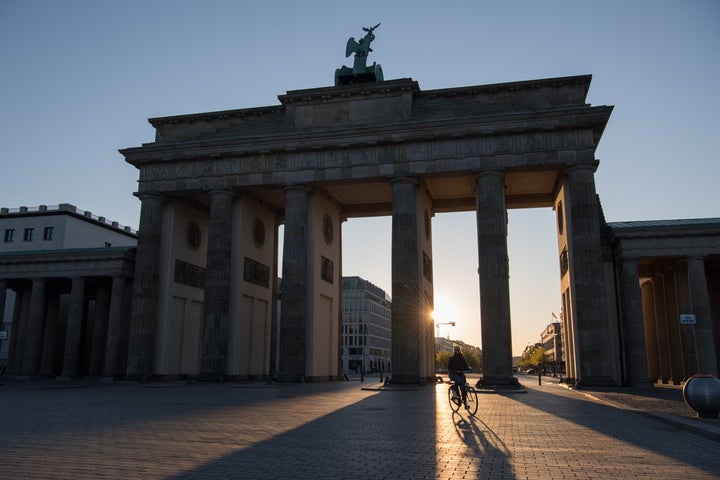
[(437, 326)]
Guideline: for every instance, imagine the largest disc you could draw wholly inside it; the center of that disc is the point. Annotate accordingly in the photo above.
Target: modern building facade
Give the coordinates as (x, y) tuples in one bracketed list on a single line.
[(551, 340), (366, 327), (65, 279)]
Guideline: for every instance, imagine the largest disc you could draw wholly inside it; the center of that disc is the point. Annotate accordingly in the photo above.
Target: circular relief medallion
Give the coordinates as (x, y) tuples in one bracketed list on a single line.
[(193, 235), (327, 229), (560, 218), (258, 232)]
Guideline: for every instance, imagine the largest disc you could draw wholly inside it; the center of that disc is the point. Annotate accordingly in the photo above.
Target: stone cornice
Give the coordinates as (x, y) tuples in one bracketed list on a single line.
[(212, 116), (585, 117), (664, 228), (363, 90), (62, 263), (392, 111)]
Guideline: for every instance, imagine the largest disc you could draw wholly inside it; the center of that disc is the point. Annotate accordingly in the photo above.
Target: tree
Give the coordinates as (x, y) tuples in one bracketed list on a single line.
[(474, 360), (539, 357), (533, 356), (473, 356), (441, 359)]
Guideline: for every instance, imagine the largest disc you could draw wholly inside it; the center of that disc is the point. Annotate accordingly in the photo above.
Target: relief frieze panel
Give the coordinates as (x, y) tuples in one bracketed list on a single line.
[(475, 147), (417, 151), (362, 156), (390, 154), (445, 149), (272, 164), (278, 162), (336, 158)]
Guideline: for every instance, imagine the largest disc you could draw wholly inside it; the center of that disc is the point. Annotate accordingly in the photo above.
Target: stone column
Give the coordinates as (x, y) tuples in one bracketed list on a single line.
[(47, 366), (651, 340), (406, 339), (113, 363), (144, 313), (213, 363), (587, 277), (73, 334), (701, 308), (15, 349), (494, 272), (3, 299), (3, 295), (99, 332), (293, 307), (686, 332), (34, 331), (568, 329), (662, 331), (633, 327), (673, 327)]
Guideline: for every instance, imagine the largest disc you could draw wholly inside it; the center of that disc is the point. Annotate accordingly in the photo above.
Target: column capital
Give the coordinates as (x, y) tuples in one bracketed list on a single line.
[(592, 167), (489, 173), (149, 195), (403, 179), (297, 186), (221, 191)]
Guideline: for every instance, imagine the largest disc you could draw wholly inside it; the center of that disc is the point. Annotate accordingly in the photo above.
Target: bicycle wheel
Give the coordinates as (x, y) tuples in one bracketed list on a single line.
[(454, 403), (472, 401)]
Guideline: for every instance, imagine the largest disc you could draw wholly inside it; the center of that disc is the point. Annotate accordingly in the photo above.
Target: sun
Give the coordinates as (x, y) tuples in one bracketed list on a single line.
[(445, 310)]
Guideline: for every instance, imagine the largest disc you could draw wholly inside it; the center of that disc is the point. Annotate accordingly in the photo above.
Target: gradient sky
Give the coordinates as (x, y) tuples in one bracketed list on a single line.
[(79, 79)]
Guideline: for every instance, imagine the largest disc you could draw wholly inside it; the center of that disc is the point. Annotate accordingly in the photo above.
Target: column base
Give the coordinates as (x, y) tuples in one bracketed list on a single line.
[(499, 383), (405, 380), (286, 378), (639, 383), (595, 382)]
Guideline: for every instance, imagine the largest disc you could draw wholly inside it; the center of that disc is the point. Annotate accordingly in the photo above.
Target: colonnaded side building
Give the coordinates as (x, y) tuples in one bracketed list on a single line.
[(215, 187)]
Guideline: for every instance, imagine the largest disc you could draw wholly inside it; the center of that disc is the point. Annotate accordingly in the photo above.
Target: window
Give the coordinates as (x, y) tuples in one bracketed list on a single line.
[(9, 234), (28, 235), (48, 233)]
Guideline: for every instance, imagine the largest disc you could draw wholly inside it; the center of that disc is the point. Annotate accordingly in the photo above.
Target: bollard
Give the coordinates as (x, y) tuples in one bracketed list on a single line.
[(539, 377)]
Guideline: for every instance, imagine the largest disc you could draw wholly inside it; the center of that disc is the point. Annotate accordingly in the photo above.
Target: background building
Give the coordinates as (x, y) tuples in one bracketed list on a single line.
[(365, 326), (551, 339), (65, 278)]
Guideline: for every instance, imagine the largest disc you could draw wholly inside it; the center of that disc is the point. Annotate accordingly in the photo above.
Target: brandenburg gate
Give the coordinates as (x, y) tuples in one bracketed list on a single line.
[(215, 187)]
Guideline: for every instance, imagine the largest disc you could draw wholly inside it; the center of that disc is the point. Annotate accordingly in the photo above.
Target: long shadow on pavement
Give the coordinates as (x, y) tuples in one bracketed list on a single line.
[(622, 425)]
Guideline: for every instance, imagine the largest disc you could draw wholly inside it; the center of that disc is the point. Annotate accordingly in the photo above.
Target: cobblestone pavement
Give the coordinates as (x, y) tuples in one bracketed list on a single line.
[(68, 430)]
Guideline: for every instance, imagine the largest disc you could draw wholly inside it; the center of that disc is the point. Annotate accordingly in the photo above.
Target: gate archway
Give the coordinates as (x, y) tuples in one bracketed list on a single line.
[(214, 187)]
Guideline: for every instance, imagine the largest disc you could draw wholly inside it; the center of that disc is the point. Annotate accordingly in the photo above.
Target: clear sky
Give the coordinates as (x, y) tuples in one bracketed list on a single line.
[(78, 79)]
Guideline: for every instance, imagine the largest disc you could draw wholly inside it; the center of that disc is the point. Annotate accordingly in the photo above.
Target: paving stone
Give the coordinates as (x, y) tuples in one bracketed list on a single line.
[(338, 430)]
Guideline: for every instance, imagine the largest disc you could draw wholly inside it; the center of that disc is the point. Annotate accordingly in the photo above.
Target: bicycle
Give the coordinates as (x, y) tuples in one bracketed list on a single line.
[(455, 399)]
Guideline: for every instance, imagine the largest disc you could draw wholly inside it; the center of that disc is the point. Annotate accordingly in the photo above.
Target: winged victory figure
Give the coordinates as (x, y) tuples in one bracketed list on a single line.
[(360, 71)]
